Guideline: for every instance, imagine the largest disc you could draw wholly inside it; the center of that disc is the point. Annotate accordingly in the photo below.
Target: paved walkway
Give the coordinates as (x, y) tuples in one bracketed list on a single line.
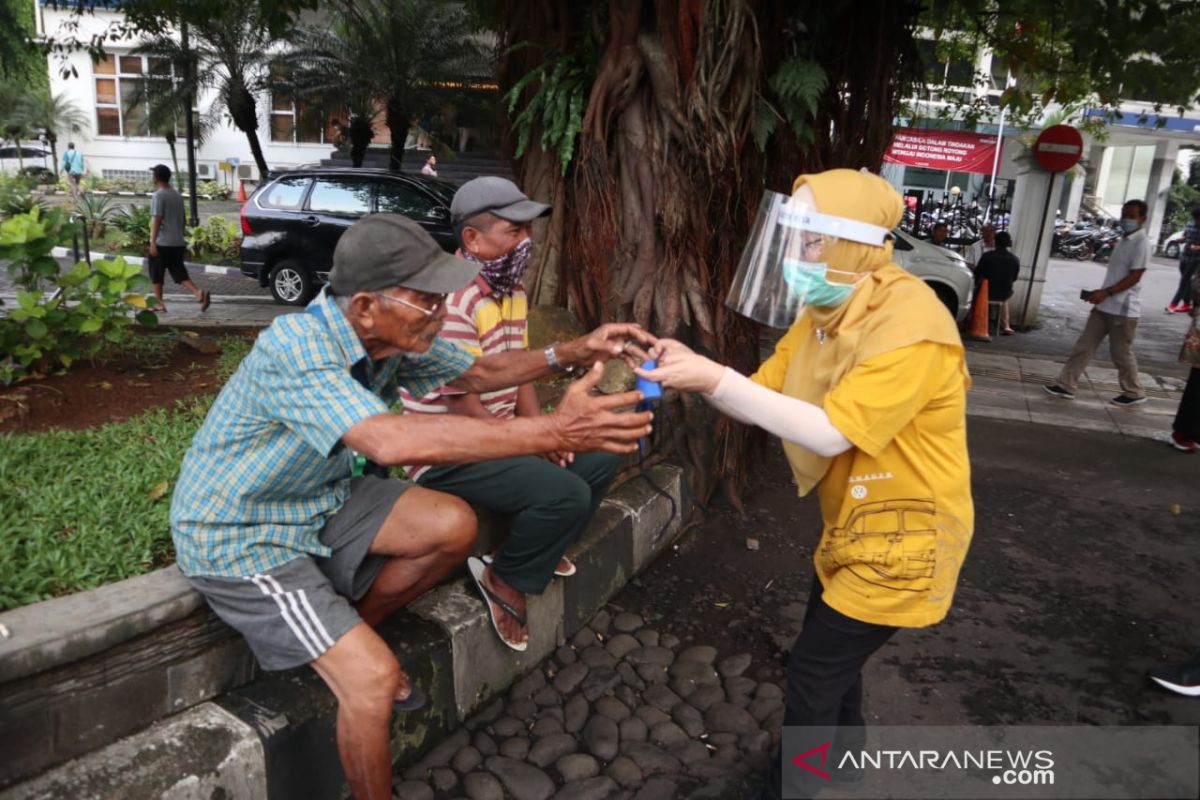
[(1010, 387)]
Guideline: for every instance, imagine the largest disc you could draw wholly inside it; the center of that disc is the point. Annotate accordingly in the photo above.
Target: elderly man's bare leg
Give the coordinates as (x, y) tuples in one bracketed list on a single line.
[(428, 534), (364, 676)]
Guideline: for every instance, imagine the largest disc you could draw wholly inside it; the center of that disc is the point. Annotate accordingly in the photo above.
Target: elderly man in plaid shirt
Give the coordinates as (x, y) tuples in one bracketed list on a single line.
[(282, 517)]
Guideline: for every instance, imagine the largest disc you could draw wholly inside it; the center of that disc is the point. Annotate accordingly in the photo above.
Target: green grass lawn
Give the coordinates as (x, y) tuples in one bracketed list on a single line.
[(81, 509)]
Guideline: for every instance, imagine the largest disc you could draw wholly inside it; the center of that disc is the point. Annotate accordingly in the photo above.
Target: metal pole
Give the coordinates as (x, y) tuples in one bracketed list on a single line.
[(1037, 248), (1008, 81), (190, 144)]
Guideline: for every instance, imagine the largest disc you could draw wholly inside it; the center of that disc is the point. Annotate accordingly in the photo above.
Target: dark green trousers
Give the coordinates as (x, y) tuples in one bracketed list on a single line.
[(550, 506)]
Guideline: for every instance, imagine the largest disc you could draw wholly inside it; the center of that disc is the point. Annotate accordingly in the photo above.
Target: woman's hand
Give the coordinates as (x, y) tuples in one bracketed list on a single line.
[(680, 368)]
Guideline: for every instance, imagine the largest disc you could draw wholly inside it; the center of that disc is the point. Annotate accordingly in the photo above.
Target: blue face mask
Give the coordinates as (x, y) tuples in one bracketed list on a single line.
[(1129, 225), (809, 282)]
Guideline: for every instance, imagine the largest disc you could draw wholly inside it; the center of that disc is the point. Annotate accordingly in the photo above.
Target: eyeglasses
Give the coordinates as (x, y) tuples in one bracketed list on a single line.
[(429, 312)]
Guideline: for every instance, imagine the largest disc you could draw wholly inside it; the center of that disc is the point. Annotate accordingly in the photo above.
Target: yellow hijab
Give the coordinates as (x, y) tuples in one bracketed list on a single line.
[(889, 310)]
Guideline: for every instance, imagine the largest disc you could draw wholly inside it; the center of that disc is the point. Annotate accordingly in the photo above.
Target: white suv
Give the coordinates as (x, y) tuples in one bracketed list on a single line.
[(943, 271)]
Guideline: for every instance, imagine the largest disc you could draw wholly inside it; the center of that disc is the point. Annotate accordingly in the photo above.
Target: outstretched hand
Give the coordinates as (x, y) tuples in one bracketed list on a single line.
[(613, 340), (585, 422), (681, 368)]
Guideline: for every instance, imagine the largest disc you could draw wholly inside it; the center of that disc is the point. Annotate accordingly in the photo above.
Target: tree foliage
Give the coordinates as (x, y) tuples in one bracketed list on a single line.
[(229, 53), (399, 53), (1074, 53)]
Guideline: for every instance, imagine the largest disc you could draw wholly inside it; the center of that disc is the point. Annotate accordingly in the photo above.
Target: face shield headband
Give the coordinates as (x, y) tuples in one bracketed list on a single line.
[(783, 269)]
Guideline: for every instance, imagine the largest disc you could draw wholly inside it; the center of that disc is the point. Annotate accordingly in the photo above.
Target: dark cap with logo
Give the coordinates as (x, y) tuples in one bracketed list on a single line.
[(384, 250), (500, 196)]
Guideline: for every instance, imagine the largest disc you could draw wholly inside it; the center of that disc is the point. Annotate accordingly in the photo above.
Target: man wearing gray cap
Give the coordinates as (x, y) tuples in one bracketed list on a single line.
[(279, 518), (550, 497)]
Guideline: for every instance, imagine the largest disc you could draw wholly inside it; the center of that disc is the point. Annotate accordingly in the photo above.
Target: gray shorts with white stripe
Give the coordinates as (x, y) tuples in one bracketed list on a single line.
[(293, 613)]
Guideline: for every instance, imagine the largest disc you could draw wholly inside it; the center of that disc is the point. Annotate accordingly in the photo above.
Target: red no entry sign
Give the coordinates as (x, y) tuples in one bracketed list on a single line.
[(1058, 148)]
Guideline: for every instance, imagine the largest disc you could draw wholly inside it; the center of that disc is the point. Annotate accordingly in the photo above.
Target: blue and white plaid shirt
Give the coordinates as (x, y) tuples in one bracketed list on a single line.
[(267, 468)]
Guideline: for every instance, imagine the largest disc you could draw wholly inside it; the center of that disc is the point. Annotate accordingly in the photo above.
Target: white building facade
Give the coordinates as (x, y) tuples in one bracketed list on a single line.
[(117, 143)]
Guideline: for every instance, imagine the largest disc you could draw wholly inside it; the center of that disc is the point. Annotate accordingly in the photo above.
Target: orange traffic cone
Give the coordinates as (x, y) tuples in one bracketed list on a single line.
[(978, 329), (241, 192)]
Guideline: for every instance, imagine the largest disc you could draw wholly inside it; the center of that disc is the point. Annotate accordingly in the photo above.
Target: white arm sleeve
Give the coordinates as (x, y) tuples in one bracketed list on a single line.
[(788, 418)]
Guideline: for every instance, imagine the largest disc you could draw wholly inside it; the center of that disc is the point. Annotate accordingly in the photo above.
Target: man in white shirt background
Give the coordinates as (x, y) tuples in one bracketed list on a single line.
[(1116, 313)]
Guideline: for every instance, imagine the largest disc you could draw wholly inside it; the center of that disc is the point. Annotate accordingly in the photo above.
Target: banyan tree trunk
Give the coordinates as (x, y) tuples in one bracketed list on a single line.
[(650, 220)]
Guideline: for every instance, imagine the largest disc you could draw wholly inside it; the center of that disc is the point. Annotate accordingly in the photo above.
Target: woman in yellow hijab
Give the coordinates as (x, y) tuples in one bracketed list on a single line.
[(868, 392)]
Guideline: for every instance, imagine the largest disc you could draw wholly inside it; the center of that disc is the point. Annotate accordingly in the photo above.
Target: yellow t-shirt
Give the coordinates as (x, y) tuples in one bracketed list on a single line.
[(897, 508)]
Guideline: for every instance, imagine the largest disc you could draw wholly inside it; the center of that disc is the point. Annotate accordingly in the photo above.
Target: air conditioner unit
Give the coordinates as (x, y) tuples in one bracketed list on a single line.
[(247, 172), (204, 171)]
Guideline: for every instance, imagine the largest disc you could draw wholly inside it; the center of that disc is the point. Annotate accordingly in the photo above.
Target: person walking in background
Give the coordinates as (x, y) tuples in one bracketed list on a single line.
[(1189, 257), (1000, 268), (1185, 433), (1116, 313), (167, 245), (72, 164), (430, 167)]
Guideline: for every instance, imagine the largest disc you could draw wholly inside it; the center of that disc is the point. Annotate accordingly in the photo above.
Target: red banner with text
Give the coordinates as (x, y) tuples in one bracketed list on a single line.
[(953, 151)]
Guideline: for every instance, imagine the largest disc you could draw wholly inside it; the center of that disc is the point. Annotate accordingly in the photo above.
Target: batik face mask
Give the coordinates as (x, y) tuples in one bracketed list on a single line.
[(504, 273)]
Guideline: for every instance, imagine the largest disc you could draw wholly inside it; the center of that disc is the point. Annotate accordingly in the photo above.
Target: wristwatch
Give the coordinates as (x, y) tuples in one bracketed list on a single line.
[(552, 360)]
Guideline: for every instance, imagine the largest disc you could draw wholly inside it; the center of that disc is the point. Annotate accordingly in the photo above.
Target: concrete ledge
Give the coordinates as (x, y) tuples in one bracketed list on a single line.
[(445, 640), (55, 632), (200, 754)]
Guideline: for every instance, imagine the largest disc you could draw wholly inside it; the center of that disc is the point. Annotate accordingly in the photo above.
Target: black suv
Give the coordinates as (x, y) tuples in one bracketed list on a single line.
[(291, 224)]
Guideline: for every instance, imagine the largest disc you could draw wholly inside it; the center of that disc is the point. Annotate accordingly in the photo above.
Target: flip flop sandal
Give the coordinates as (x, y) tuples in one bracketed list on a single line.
[(415, 700), (205, 299), (562, 573), (477, 569)]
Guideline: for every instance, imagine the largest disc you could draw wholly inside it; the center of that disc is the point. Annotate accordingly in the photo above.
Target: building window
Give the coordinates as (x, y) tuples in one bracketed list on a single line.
[(295, 121), (122, 87)]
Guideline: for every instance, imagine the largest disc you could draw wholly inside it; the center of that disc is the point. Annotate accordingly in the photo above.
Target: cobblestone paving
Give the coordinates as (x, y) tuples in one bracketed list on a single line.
[(620, 711)]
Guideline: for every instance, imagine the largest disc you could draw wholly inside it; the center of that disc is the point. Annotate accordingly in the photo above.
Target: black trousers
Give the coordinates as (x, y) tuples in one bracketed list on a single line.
[(550, 505), (824, 680), (1187, 418), (1184, 293)]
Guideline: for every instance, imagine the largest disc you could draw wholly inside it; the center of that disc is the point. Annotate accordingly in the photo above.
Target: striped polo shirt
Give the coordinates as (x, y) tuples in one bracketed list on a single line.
[(267, 468), (482, 322)]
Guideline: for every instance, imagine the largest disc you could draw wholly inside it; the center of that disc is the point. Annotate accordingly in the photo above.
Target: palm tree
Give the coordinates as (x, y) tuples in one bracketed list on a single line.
[(328, 72), (14, 122), (229, 53), (397, 51), (164, 115), (53, 114)]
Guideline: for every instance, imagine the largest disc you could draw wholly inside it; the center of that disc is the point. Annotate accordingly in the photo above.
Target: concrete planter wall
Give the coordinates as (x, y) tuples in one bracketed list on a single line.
[(136, 690)]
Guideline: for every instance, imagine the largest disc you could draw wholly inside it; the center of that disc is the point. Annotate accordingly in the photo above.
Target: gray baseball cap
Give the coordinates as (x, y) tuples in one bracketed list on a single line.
[(497, 195), (384, 250)]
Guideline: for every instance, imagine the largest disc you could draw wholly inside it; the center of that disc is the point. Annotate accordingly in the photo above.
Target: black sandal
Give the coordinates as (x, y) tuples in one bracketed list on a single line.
[(477, 568)]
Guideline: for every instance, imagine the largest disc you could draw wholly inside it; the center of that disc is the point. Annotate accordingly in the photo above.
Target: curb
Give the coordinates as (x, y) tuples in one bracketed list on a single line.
[(274, 736), (212, 269)]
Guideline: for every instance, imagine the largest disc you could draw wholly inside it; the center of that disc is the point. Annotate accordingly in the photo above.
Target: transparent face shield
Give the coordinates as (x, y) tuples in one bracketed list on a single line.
[(783, 268)]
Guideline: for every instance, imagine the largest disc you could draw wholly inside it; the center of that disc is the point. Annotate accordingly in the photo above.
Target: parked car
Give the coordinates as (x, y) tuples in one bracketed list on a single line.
[(943, 271), (31, 154), (291, 223), (1170, 246)]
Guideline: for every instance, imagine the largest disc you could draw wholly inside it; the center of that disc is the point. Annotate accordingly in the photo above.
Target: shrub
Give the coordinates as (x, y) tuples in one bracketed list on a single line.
[(213, 189), (16, 199), (217, 238), (86, 307), (37, 176), (134, 223), (96, 210)]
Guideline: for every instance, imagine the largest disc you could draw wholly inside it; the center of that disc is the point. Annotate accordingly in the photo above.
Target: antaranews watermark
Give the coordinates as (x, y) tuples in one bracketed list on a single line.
[(978, 762)]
